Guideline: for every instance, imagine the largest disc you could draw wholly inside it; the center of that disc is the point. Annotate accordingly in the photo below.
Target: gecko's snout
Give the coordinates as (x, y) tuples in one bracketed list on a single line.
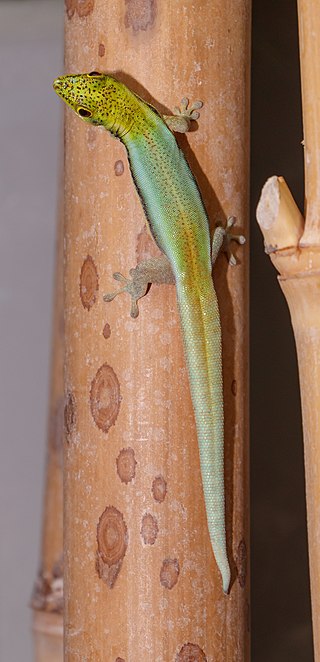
[(60, 84)]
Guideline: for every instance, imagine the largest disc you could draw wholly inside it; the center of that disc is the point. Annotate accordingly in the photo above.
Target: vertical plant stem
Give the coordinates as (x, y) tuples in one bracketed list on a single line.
[(140, 578)]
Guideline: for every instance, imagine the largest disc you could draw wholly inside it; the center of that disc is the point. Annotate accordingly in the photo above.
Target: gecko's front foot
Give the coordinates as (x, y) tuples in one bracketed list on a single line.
[(182, 116), (136, 288), (222, 239)]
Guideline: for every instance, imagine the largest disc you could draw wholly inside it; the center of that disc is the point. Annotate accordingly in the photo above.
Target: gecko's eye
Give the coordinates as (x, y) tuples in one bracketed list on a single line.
[(84, 112), (94, 74)]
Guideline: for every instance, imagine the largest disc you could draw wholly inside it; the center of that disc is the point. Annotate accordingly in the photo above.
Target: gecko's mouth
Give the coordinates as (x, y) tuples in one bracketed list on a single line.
[(60, 84)]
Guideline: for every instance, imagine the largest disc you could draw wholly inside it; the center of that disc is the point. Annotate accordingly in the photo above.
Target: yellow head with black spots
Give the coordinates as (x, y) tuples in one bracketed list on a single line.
[(102, 100)]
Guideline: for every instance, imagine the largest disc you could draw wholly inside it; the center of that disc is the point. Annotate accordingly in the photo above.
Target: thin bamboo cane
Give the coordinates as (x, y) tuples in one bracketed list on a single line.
[(294, 248), (140, 578), (47, 598)]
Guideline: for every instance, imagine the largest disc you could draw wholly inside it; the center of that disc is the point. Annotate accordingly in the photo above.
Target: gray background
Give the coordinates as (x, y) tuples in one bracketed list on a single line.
[(31, 52), (31, 35)]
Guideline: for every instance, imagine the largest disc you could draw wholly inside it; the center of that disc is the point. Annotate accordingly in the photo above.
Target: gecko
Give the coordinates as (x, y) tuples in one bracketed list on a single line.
[(179, 225)]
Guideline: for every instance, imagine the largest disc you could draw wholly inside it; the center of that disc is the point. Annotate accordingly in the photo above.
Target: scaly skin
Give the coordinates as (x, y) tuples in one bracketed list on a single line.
[(179, 225)]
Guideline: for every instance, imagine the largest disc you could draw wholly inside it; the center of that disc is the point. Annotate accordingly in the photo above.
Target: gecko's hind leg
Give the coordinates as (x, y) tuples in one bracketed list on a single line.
[(155, 270), (222, 239)]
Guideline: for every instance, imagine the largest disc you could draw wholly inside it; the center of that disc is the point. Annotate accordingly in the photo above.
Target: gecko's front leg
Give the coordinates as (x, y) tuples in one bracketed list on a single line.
[(155, 270), (182, 117)]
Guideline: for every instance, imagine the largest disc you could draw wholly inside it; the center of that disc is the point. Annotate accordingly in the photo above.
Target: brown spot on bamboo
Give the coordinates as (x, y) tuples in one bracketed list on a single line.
[(105, 397), (159, 489), (241, 560), (101, 50), (149, 529), (89, 283), (169, 573), (126, 465), (120, 659), (140, 14), (119, 168), (70, 415), (106, 331), (112, 539), (81, 7), (234, 387), (191, 653)]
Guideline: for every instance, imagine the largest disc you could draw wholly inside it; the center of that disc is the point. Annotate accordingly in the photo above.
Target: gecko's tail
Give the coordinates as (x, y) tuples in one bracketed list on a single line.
[(202, 339)]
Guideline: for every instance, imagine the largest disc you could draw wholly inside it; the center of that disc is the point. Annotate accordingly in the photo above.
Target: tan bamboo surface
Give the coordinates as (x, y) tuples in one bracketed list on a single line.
[(294, 247), (141, 582), (47, 598)]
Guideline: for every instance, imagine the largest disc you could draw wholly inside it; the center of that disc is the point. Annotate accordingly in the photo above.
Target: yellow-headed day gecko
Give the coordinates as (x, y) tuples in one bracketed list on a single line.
[(179, 225)]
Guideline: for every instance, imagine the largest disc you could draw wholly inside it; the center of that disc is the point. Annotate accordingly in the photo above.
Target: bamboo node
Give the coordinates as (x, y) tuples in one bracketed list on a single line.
[(279, 218), (47, 592)]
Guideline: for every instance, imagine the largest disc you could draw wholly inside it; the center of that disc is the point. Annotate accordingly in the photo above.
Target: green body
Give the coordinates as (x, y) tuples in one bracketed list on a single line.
[(179, 225)]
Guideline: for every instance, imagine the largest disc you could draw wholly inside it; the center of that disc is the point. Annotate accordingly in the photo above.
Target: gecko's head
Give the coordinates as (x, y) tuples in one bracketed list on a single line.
[(97, 98)]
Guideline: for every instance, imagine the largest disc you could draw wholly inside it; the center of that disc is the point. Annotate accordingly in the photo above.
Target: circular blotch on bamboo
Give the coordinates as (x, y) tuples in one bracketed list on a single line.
[(119, 168), (149, 529), (169, 573), (101, 50), (159, 489), (234, 387), (112, 539), (89, 283), (120, 659), (191, 653), (140, 15), (106, 331), (126, 465), (70, 415), (105, 398), (81, 7), (241, 560)]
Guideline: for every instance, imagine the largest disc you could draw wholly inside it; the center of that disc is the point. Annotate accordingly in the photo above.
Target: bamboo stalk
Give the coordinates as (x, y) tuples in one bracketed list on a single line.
[(294, 249), (309, 43), (140, 578), (47, 597)]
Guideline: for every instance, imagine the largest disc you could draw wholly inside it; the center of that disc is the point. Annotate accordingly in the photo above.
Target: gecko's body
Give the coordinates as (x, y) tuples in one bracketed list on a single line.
[(180, 227)]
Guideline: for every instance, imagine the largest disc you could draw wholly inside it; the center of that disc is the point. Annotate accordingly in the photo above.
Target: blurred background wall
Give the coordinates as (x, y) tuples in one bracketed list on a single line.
[(31, 53)]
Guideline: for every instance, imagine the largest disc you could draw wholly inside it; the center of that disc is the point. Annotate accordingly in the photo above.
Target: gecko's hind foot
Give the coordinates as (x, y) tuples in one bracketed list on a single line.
[(222, 239), (229, 237), (136, 288), (183, 115)]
